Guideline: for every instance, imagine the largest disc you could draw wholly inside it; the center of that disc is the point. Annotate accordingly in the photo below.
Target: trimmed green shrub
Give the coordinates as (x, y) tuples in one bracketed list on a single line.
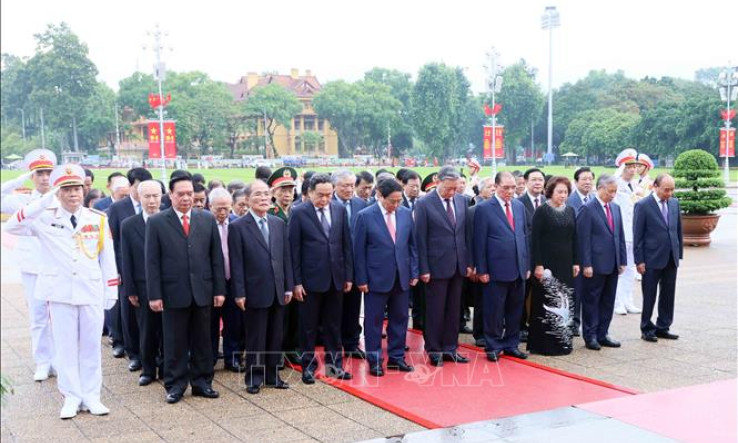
[(699, 187)]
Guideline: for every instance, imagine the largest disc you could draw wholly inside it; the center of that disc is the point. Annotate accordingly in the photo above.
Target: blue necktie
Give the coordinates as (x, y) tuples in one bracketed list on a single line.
[(324, 222)]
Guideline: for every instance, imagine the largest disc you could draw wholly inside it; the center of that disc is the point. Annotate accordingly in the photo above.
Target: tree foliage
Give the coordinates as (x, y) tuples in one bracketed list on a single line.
[(277, 105)]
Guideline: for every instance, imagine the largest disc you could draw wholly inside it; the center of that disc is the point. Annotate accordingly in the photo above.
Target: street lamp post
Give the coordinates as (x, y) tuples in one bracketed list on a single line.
[(159, 73), (550, 20), (728, 87), (494, 85)]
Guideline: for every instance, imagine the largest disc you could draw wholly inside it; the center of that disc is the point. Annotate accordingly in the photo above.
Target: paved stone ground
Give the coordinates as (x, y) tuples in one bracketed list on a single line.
[(706, 351)]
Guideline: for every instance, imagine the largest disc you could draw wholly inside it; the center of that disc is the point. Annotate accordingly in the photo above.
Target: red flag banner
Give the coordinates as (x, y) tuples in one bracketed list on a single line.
[(170, 140), (154, 140), (499, 142), (727, 139), (726, 115), (487, 110)]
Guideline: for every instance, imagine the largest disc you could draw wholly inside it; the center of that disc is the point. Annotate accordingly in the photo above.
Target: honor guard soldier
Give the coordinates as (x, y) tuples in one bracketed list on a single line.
[(282, 184), (628, 194), (78, 279), (39, 162)]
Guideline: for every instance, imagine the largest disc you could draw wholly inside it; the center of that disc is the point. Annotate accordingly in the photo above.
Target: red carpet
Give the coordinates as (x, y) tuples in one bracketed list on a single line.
[(703, 413), (462, 393)]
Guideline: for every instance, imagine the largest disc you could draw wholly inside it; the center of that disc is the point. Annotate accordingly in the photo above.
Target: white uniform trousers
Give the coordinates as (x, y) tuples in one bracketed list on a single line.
[(42, 345), (77, 330), (626, 280)]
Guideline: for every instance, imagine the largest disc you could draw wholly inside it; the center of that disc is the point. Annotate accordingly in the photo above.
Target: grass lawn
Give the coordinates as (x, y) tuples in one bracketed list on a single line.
[(247, 174)]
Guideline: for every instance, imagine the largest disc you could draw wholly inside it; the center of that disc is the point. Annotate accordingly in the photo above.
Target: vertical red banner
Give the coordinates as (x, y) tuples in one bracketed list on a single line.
[(154, 140), (170, 140), (499, 142), (727, 138)]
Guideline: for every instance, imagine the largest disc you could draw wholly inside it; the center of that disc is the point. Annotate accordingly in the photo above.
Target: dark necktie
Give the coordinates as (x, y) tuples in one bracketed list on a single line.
[(264, 231), (665, 212), (509, 215), (585, 199), (450, 212), (73, 219), (324, 222), (610, 221), (630, 186), (536, 200)]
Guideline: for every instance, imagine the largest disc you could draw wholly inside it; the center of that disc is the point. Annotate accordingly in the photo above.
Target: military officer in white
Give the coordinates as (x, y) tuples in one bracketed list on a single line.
[(628, 194), (39, 162), (78, 278)]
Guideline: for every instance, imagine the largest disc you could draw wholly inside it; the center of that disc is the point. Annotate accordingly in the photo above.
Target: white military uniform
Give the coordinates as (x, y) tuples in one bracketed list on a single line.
[(78, 278), (628, 194), (26, 254)]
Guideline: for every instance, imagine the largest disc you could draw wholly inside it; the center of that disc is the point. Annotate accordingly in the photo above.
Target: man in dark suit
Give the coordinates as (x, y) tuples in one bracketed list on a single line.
[(117, 212), (501, 248), (487, 189), (444, 261), (323, 270), (104, 203), (345, 182), (532, 199), (184, 279), (601, 244), (582, 193), (364, 185), (221, 204), (133, 234), (657, 248), (410, 189), (386, 267), (261, 276)]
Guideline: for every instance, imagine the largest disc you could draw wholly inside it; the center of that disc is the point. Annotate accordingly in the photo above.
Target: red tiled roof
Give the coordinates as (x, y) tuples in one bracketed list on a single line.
[(302, 86)]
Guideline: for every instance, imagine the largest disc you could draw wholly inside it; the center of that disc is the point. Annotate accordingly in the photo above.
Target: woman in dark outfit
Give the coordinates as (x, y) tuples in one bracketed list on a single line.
[(553, 248)]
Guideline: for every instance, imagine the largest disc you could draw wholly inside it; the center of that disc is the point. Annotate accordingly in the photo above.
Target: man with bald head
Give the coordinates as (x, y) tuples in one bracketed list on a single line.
[(657, 248)]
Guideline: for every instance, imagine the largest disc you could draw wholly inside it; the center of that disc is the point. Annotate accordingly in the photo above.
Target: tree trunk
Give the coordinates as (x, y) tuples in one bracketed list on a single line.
[(74, 134)]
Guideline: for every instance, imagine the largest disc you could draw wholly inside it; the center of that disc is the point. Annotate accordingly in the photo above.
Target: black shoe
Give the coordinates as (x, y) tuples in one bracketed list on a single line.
[(480, 343), (173, 397), (609, 342), (237, 369), (493, 356), (667, 335), (118, 352), (593, 345), (649, 336), (436, 360), (523, 336), (384, 335), (399, 365), (308, 377), (205, 392), (465, 330), (279, 384), (134, 365), (357, 353), (455, 357), (338, 373), (516, 353), (253, 389), (376, 371), (145, 380)]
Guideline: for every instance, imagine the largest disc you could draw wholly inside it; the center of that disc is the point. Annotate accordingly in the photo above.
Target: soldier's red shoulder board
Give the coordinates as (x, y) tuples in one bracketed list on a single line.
[(98, 212)]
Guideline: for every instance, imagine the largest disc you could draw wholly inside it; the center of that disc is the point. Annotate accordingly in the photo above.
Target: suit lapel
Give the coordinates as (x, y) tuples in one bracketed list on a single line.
[(500, 212), (460, 206), (174, 221), (379, 218), (313, 215), (256, 232), (335, 216), (601, 211), (140, 227), (438, 203), (657, 210)]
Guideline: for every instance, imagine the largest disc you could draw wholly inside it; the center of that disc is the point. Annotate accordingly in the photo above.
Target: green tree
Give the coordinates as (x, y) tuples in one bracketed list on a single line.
[(275, 104), (338, 102), (133, 93), (97, 123), (401, 88), (379, 112)]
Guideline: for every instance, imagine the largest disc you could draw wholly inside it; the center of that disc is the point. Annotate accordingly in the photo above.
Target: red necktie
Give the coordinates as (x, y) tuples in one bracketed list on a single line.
[(610, 222), (510, 219), (186, 225)]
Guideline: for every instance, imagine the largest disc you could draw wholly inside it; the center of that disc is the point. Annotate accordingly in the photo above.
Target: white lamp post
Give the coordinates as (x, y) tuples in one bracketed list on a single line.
[(494, 85), (550, 20), (728, 87)]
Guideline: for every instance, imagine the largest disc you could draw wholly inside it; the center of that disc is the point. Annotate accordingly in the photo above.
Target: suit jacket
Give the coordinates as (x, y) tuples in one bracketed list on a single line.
[(406, 202), (442, 248), (654, 243), (357, 205), (599, 247), (377, 258), (498, 250), (317, 260), (179, 268), (117, 212), (529, 209), (133, 257), (575, 201), (259, 272), (103, 204)]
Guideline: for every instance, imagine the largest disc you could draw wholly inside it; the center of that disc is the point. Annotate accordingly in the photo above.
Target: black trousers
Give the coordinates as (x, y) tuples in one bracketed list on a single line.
[(151, 342), (478, 319), (188, 355), (129, 326), (350, 325), (442, 301), (291, 330), (263, 338), (324, 309), (233, 344), (503, 305), (663, 281), (417, 295), (112, 321)]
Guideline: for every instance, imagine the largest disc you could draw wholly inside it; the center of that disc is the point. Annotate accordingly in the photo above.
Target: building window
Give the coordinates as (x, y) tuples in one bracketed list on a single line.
[(309, 122), (298, 144), (320, 124)]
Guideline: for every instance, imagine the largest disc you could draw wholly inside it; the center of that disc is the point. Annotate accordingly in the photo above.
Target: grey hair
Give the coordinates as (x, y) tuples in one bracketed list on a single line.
[(119, 182), (385, 176), (448, 173), (341, 174), (147, 182), (606, 180), (484, 181), (219, 192)]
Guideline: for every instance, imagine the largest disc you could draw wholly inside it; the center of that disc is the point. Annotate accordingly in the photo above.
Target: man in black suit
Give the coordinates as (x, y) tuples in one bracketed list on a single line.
[(262, 282), (133, 234), (657, 248), (117, 212), (444, 259), (532, 199), (410, 189), (364, 185), (345, 182), (184, 279), (601, 243), (323, 270), (104, 203)]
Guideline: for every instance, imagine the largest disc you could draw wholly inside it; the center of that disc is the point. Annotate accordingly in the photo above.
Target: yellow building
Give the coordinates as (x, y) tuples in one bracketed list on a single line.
[(292, 140)]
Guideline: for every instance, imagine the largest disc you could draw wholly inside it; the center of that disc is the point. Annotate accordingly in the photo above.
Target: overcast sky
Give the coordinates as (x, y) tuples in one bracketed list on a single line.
[(343, 39)]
